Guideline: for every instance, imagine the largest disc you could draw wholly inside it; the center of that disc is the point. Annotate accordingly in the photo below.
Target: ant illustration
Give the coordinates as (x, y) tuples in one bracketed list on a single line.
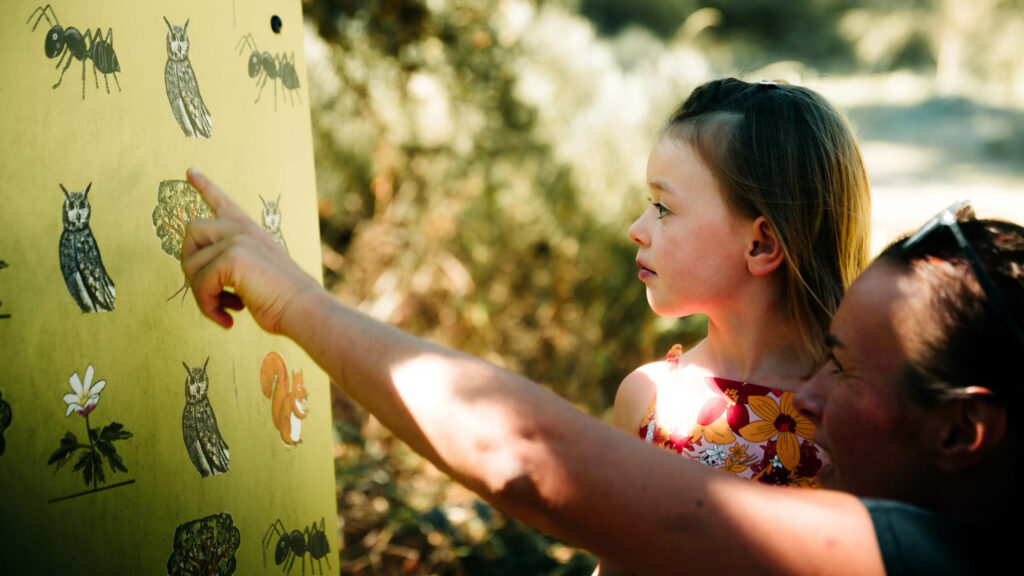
[(270, 68), (290, 545), (77, 46)]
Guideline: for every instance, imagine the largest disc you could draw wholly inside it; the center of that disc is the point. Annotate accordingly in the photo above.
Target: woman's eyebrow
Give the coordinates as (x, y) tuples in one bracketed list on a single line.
[(832, 342)]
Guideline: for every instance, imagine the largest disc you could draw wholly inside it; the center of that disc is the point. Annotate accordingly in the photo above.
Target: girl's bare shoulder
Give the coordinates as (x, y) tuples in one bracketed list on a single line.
[(635, 394), (639, 388)]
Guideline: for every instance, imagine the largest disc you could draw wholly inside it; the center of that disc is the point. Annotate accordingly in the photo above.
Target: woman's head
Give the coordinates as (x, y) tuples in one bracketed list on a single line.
[(784, 153), (920, 395), (965, 342), (961, 338)]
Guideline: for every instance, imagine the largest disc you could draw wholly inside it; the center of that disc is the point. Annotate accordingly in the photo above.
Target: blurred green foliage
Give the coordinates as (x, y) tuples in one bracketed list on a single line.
[(662, 18), (478, 164)]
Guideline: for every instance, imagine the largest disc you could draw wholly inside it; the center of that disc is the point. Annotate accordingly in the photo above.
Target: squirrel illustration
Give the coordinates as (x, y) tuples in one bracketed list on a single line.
[(288, 405)]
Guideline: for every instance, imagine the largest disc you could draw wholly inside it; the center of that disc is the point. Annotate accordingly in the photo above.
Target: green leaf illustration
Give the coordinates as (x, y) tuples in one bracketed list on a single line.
[(68, 445), (108, 450), (91, 465), (114, 431), (104, 439)]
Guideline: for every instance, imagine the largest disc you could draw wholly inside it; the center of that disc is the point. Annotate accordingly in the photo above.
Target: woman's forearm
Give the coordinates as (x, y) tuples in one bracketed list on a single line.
[(534, 456), (521, 447), (452, 408)]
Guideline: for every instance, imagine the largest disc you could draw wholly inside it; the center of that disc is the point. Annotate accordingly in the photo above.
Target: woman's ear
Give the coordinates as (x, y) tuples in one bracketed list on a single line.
[(764, 252), (973, 430)]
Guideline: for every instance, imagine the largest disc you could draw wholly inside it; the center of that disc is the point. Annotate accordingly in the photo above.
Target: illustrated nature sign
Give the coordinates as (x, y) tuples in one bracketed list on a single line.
[(137, 437)]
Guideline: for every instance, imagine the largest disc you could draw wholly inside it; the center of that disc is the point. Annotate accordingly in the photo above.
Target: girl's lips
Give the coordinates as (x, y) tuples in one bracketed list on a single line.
[(645, 272)]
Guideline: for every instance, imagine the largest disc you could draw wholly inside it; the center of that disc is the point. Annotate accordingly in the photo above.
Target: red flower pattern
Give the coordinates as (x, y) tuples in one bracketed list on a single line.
[(730, 400)]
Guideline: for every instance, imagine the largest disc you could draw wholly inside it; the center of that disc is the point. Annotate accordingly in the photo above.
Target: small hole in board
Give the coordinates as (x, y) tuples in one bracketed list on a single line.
[(275, 24)]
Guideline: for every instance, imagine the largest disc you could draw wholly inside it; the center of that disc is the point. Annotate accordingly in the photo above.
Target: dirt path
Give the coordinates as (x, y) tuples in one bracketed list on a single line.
[(923, 153)]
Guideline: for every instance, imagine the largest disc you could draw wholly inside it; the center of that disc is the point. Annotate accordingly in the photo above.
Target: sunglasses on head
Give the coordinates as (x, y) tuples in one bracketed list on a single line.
[(950, 218)]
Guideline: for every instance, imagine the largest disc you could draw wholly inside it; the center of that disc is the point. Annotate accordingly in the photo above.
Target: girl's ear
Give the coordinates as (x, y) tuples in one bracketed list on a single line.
[(764, 252)]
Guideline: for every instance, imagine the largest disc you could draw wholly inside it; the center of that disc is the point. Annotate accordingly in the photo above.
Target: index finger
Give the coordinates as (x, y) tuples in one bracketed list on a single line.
[(222, 205)]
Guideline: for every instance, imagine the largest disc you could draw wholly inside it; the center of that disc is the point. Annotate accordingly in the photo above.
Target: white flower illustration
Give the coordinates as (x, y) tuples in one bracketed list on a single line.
[(86, 396)]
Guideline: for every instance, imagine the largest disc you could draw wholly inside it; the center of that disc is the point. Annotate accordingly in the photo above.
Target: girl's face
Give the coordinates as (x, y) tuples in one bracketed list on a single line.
[(692, 244)]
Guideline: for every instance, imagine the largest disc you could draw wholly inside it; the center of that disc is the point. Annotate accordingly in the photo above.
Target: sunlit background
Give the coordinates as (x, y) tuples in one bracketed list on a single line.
[(478, 164)]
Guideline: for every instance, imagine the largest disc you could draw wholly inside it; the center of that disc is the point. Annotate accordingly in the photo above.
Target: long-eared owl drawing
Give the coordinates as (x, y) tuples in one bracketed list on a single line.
[(206, 448), (182, 90), (3, 315), (80, 263), (5, 421), (270, 218)]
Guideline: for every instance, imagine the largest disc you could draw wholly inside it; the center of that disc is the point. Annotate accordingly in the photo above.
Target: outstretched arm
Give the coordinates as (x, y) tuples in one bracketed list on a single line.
[(522, 448)]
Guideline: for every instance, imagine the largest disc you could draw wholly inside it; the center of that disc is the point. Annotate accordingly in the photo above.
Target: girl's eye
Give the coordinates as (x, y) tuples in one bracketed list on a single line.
[(662, 209)]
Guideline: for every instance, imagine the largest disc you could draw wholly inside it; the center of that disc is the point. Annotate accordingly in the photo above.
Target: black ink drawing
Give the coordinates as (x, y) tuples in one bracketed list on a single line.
[(177, 204), (205, 547), (270, 218), (82, 400), (74, 45), (182, 90), (5, 422), (206, 448), (291, 545), (80, 262), (263, 67), (3, 315)]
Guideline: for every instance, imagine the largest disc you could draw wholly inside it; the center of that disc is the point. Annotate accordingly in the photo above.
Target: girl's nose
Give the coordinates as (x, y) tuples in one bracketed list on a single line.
[(637, 231)]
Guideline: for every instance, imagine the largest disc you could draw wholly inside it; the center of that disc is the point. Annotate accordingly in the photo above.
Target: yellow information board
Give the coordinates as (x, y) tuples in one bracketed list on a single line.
[(137, 437)]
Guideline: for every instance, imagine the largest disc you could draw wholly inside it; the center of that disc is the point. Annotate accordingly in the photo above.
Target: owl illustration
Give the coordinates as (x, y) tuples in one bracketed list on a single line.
[(3, 316), (270, 218), (206, 448), (80, 263), (5, 421), (182, 89)]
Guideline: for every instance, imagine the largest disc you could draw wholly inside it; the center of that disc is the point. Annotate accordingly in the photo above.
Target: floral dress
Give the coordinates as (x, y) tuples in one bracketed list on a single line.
[(744, 429)]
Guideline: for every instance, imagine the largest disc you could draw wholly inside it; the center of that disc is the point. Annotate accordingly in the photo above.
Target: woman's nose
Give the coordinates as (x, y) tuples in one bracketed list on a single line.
[(810, 398)]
